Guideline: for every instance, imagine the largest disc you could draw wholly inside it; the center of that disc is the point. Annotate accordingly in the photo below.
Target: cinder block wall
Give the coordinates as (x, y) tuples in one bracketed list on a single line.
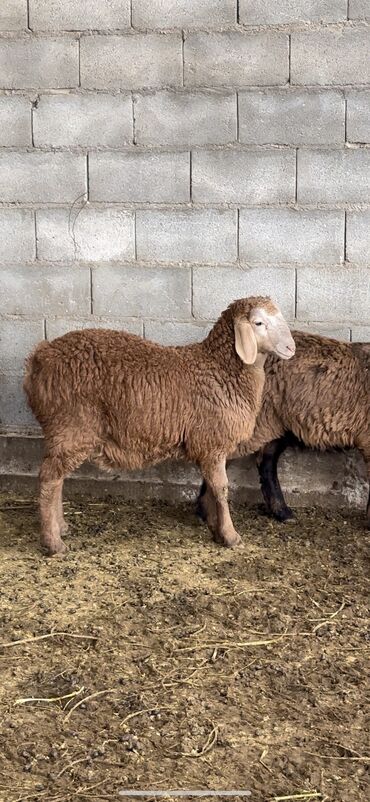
[(159, 158)]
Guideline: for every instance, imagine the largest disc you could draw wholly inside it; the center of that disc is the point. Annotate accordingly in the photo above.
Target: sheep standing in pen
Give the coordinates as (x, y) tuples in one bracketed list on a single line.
[(321, 400), (122, 402)]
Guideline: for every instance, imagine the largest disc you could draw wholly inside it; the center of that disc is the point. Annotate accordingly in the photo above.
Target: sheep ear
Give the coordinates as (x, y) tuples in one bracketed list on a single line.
[(245, 341)]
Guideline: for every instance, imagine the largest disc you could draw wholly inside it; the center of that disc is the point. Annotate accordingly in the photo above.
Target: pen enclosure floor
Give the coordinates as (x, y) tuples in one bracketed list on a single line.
[(149, 657)]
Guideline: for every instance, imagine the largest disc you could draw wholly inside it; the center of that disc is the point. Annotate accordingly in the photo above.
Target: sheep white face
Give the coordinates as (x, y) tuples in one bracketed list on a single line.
[(272, 333)]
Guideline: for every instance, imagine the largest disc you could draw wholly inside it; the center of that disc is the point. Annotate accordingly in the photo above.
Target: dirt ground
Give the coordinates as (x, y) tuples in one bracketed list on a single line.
[(149, 657)]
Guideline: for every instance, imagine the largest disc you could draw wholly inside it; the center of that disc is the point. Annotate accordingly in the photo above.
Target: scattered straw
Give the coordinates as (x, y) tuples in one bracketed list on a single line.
[(48, 635), (141, 712), (70, 765), (239, 592), (329, 619), (48, 698), (83, 788), (209, 744), (304, 795), (232, 644), (261, 761), (87, 699)]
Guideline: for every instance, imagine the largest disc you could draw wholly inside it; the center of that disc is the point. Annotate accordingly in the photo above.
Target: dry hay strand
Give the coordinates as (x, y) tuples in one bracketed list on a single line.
[(31, 699), (47, 635), (87, 699), (305, 795), (227, 644)]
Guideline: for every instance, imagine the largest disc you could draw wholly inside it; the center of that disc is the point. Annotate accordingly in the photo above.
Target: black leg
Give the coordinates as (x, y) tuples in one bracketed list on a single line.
[(267, 462), (199, 509), (364, 448)]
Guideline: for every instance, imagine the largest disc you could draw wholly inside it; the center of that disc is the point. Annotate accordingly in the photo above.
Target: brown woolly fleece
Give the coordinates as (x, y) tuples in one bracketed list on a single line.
[(122, 402), (322, 398), (322, 395)]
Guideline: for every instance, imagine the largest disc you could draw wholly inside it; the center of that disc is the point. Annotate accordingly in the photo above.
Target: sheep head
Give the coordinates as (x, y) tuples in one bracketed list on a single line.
[(259, 327)]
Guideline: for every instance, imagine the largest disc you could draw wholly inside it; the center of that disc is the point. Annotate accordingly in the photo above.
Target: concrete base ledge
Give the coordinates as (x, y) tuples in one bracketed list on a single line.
[(335, 479)]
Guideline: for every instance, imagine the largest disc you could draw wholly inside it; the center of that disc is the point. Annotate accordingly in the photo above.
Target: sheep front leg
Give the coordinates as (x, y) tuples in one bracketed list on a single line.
[(218, 513)]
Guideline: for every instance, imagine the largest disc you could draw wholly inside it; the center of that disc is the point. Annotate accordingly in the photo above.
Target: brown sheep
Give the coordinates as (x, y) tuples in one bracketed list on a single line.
[(122, 402), (321, 400)]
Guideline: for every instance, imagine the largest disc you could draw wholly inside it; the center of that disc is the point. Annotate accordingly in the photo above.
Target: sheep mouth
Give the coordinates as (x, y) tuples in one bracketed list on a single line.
[(284, 355)]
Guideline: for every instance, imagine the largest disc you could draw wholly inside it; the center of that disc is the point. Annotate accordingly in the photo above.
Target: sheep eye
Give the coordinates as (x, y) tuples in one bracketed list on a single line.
[(258, 323)]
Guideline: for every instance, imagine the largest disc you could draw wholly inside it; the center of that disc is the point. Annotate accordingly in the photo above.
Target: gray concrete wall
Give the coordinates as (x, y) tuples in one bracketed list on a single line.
[(159, 159)]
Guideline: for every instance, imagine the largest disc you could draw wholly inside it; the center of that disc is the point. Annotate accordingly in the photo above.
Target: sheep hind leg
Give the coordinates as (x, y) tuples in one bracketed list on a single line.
[(54, 469), (218, 515), (50, 506), (267, 463)]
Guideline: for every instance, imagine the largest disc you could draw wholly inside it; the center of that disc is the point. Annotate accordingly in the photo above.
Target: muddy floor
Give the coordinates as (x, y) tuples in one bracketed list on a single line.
[(149, 658)]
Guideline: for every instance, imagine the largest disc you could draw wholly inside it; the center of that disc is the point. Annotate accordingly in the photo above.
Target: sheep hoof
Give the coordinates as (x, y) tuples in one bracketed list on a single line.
[(230, 541), (284, 515), (56, 549)]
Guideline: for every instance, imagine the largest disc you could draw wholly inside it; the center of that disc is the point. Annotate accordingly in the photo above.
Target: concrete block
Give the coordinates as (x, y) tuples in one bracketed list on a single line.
[(13, 15), (358, 238), (258, 12), (41, 177), (83, 120), (359, 9), (139, 61), (133, 291), (338, 176), (361, 334), (140, 177), (185, 118), (32, 63), (237, 176), (15, 121), (14, 411), (58, 326), (17, 339), (291, 117), (37, 290), (169, 332), (91, 235), (190, 236), (330, 293), (338, 56), (235, 58), (214, 289), (324, 329), (17, 240), (183, 13), (358, 117), (69, 15), (287, 235)]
